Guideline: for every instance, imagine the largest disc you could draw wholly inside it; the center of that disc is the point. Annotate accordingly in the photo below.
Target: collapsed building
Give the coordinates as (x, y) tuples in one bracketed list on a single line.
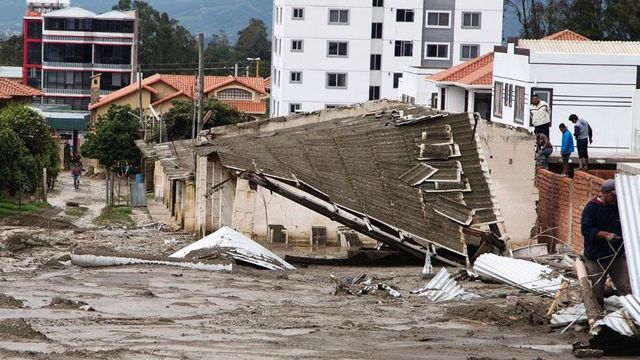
[(413, 178)]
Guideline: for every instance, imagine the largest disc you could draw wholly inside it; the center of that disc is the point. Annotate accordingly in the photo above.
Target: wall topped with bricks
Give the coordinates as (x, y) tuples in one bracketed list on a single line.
[(560, 204)]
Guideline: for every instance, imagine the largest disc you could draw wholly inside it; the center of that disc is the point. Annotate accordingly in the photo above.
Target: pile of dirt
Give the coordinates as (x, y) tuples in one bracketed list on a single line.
[(9, 302), (19, 330), (56, 262), (522, 313), (62, 303), (23, 241), (37, 220)]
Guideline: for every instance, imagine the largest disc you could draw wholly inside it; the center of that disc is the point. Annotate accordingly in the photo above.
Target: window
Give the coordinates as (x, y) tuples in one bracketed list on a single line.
[(498, 89), (34, 30), (337, 80), (339, 17), (471, 20), (234, 94), (376, 30), (293, 108), (545, 94), (330, 106), (295, 77), (510, 95), (376, 62), (297, 14), (404, 15), (468, 52), (297, 45), (443, 98), (374, 92), (396, 79), (438, 19), (403, 48), (338, 48), (34, 53), (519, 110), (437, 51), (434, 100), (378, 3)]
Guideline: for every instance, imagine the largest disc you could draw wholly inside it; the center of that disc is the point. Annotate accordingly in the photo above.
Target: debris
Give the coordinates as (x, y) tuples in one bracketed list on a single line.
[(530, 251), (443, 288), (62, 303), (362, 284), (594, 311), (238, 246), (72, 204), (361, 257), (9, 302), (37, 220), (22, 241), (561, 293), (19, 330), (527, 275)]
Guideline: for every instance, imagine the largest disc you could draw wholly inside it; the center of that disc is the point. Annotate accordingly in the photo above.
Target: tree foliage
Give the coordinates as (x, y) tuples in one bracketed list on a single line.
[(11, 51), (113, 138)]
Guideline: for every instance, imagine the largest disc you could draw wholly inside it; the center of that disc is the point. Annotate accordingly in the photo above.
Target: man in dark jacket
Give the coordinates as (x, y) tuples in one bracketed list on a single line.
[(603, 246)]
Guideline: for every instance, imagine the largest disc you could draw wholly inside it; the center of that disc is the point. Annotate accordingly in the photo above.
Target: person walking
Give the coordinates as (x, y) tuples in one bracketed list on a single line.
[(603, 246), (76, 172), (584, 136), (540, 115), (544, 150), (566, 148)]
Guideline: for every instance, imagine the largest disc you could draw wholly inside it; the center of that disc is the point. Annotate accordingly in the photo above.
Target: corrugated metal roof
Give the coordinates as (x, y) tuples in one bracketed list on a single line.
[(72, 12), (631, 304), (628, 190), (443, 288), (582, 47), (617, 321), (115, 15), (524, 274)]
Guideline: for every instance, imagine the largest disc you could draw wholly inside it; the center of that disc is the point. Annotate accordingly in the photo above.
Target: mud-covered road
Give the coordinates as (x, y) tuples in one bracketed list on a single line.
[(53, 310)]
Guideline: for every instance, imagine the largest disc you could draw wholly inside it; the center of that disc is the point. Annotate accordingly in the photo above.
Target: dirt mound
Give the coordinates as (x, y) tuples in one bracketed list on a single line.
[(522, 313), (22, 241), (37, 220), (62, 303), (9, 302), (19, 330), (56, 262)]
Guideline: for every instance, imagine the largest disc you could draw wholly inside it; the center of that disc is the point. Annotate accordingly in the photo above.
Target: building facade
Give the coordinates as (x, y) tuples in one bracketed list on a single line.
[(65, 46), (332, 53)]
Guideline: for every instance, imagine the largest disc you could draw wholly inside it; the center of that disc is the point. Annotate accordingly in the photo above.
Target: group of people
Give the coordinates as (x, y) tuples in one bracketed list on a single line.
[(540, 114)]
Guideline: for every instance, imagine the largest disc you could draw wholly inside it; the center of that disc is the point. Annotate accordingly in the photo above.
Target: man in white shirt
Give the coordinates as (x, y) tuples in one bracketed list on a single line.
[(540, 115)]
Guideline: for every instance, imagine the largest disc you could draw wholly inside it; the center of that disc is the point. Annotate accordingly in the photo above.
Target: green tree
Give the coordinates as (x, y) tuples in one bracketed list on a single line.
[(541, 18), (622, 20), (113, 138), (586, 18), (11, 51), (253, 41), (220, 55)]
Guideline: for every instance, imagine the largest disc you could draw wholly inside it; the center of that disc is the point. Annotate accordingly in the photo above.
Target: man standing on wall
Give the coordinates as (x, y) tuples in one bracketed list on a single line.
[(540, 115), (584, 136), (603, 246), (566, 149)]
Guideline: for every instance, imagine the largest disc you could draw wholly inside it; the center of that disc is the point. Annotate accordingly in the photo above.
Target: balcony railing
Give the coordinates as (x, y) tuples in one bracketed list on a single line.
[(113, 66), (67, 91), (60, 64), (89, 39)]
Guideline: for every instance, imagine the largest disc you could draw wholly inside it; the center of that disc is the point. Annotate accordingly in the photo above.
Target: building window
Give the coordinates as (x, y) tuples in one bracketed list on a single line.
[(34, 30), (34, 53), (297, 45), (404, 15), (338, 48), (374, 92), (434, 100), (404, 48), (378, 3), (338, 17), (376, 62), (295, 77), (330, 106), (443, 98), (519, 111), (234, 94), (510, 95), (297, 14), (498, 97), (438, 19), (396, 80), (337, 80), (293, 108), (471, 20), (468, 52), (376, 30), (437, 51)]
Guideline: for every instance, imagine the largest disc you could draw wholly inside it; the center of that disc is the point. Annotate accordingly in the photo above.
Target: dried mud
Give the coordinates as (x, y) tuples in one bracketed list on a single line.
[(19, 330), (9, 302)]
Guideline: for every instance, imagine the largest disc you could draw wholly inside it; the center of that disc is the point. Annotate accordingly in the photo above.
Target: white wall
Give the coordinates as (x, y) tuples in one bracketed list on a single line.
[(414, 83), (511, 69), (490, 32)]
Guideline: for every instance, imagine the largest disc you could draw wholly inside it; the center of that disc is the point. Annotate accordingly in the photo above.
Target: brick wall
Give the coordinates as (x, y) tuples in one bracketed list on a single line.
[(560, 205)]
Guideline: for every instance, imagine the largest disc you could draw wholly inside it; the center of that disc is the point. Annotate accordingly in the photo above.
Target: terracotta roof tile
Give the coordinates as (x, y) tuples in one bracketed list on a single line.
[(566, 35), (248, 107), (10, 89), (473, 72)]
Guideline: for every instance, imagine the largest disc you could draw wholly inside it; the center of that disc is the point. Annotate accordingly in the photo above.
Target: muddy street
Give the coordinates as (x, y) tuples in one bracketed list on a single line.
[(50, 309)]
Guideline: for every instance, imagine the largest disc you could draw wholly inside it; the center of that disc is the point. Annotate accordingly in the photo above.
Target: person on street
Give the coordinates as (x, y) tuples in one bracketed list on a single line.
[(544, 149), (75, 172), (584, 136), (540, 115), (603, 247), (566, 149)]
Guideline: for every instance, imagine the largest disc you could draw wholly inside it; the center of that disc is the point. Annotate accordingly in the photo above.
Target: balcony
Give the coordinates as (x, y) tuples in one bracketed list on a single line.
[(61, 91), (67, 65), (125, 67), (88, 39)]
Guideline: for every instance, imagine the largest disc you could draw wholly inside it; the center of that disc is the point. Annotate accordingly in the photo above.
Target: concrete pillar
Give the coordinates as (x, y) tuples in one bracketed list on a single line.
[(244, 208)]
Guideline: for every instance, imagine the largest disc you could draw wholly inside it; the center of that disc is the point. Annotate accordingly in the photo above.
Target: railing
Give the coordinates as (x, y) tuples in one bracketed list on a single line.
[(67, 91), (113, 66), (89, 39), (60, 64)]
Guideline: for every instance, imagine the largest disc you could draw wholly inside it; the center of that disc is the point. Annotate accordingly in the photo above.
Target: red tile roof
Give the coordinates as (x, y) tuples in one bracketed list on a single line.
[(10, 89), (248, 107), (566, 35), (476, 72)]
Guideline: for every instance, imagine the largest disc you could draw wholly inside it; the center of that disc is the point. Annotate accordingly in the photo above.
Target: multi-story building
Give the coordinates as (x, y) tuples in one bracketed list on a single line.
[(65, 46), (334, 52)]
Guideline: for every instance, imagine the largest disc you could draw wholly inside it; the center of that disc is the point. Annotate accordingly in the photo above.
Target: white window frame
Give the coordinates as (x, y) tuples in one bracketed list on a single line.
[(301, 45), (291, 77), (471, 13), (498, 99), (470, 46), (346, 80), (426, 20), (426, 47), (337, 48), (339, 22), (293, 13)]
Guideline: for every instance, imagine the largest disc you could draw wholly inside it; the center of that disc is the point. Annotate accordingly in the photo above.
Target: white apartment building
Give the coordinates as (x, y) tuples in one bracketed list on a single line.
[(331, 53)]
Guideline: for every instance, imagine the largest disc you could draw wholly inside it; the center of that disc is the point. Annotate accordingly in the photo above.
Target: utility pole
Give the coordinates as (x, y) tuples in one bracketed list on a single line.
[(235, 73), (140, 111), (200, 80)]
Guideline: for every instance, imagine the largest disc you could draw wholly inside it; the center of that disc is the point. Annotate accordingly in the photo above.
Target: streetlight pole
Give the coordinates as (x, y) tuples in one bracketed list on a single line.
[(257, 60)]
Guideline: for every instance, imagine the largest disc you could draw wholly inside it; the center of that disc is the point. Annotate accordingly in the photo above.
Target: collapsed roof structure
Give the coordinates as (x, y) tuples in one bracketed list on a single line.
[(410, 177)]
